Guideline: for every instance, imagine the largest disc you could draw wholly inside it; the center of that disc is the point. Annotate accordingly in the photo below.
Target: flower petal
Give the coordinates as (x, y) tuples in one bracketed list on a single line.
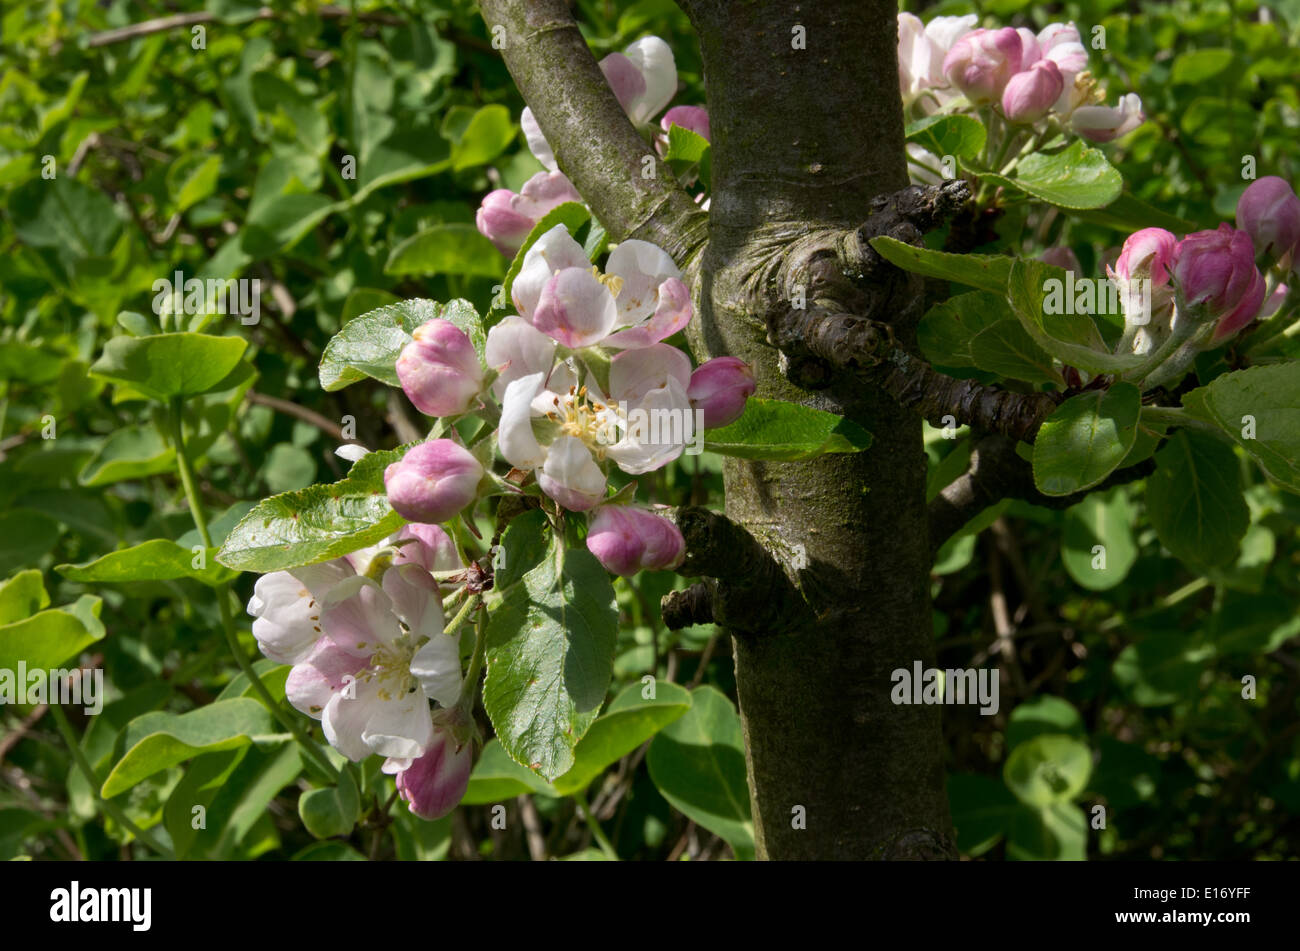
[(575, 308), (553, 251), (571, 476)]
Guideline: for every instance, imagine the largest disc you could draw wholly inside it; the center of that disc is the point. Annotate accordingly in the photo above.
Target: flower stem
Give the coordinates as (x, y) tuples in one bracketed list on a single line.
[(596, 831), (223, 605), (86, 770)]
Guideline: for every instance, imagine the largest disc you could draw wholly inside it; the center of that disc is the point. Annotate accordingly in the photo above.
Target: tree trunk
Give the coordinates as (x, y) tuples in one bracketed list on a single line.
[(803, 138), (807, 128)]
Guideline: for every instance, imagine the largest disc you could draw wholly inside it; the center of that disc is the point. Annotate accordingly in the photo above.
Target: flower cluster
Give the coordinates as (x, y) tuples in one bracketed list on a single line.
[(1208, 286), (584, 381), (644, 80), (1035, 83), (364, 635)]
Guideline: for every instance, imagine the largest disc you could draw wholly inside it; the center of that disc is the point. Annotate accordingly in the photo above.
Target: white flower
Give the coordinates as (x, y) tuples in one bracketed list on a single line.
[(643, 78), (383, 658)]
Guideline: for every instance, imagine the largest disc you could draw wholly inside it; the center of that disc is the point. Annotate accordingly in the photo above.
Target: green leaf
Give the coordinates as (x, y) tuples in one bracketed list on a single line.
[(158, 559), (1105, 520), (1047, 769), (1056, 833), (133, 452), (1046, 714), (235, 787), (982, 811), (453, 248), (1128, 214), (192, 178), (959, 136), (25, 536), (1037, 292), (159, 740), (497, 777), (170, 365), (698, 764), (333, 810), (572, 215), (66, 215), (1199, 65), (1075, 177), (317, 523), (1162, 668), (777, 430), (1267, 396), (988, 272), (550, 647), (22, 596), (368, 346), (947, 329), (49, 638), (687, 150), (1194, 499), (1005, 348), (1086, 439), (487, 135), (630, 720)]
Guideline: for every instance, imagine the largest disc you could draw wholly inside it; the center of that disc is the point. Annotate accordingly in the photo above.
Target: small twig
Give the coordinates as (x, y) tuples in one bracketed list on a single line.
[(326, 426)]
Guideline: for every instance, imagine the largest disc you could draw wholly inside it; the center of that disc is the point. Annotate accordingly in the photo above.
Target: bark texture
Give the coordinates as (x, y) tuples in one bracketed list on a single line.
[(803, 139)]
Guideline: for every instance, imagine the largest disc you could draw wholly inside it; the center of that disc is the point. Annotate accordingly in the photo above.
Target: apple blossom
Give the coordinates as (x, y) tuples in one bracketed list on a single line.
[(1217, 279), (626, 539), (1269, 212), (982, 62), (433, 481), (1031, 94), (285, 607), (643, 78), (434, 783), (1061, 43), (638, 301), (694, 118), (719, 388), (644, 422), (428, 546), (382, 658), (921, 51), (439, 369), (505, 218), (1104, 123)]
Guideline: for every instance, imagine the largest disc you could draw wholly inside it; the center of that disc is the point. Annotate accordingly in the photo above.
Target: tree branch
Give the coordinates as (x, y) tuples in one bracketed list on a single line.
[(631, 192), (997, 472), (745, 587)]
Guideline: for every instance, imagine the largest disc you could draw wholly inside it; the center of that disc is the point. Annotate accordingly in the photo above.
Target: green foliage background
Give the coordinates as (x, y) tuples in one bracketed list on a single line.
[(1124, 686)]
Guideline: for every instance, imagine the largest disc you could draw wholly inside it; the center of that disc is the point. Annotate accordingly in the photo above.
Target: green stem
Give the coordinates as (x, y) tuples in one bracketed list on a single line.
[(86, 770), (596, 831), (223, 605), (1177, 416), (466, 703), (1168, 601)]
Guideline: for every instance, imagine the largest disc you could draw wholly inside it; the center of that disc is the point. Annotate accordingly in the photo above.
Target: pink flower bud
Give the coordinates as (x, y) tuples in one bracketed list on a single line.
[(439, 369), (1269, 212), (626, 539), (982, 61), (434, 784), (1104, 123), (433, 481), (427, 546), (1061, 43), (1030, 95), (1217, 279), (695, 118), (505, 218), (1147, 253), (1030, 51), (720, 387)]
